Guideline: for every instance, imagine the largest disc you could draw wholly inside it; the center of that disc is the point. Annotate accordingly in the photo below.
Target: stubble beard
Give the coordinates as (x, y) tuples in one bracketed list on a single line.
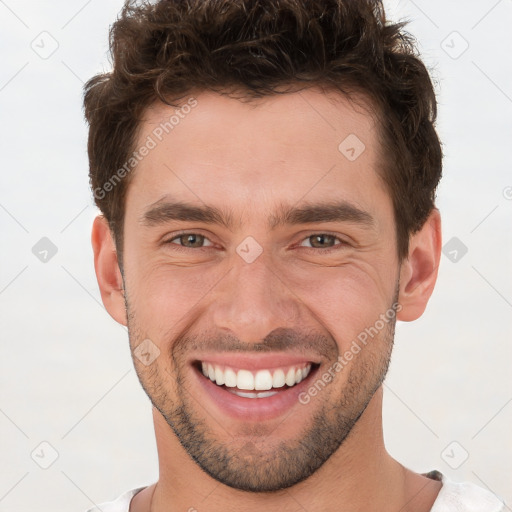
[(248, 465)]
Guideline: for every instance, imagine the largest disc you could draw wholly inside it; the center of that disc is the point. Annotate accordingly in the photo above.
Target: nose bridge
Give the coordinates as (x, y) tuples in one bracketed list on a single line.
[(252, 300)]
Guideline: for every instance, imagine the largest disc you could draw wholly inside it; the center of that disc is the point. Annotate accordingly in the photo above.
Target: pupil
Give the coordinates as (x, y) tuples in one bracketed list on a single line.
[(193, 240), (322, 240)]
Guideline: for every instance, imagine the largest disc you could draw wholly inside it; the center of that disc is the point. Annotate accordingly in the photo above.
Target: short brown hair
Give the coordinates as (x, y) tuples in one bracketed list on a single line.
[(163, 51)]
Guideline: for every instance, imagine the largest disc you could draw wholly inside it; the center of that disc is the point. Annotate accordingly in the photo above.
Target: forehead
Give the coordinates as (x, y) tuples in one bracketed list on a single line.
[(282, 148)]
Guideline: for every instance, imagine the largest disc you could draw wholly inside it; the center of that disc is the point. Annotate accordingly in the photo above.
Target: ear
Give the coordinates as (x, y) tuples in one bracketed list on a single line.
[(107, 270), (418, 273)]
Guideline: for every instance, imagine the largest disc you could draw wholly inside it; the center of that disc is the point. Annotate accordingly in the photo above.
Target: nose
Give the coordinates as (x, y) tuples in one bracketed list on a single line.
[(253, 299)]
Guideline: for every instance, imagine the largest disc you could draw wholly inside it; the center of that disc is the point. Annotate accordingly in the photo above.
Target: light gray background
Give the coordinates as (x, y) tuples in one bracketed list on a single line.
[(66, 376)]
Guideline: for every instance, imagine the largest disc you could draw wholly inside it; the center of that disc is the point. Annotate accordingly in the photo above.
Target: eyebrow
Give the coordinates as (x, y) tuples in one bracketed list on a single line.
[(166, 211), (162, 212), (341, 211)]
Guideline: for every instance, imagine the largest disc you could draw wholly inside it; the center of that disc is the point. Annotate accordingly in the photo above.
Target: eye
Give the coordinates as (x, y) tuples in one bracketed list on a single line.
[(190, 240), (321, 241)]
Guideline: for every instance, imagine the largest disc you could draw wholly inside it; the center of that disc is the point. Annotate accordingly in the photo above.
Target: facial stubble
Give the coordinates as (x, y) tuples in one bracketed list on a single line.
[(257, 462)]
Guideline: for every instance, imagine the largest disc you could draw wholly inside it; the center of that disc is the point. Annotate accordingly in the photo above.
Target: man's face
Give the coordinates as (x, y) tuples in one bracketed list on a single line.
[(280, 253)]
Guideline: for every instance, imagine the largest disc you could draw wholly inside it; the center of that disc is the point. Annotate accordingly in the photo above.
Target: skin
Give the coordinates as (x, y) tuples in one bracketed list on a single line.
[(251, 159)]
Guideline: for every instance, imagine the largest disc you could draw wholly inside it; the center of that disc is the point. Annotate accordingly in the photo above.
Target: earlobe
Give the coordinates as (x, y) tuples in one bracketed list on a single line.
[(418, 273), (108, 274)]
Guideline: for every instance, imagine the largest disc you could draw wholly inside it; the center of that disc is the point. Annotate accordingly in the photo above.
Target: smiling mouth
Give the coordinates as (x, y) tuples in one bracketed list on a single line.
[(262, 383)]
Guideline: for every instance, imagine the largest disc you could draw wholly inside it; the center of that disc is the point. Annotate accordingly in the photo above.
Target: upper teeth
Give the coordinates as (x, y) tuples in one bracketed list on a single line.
[(260, 380)]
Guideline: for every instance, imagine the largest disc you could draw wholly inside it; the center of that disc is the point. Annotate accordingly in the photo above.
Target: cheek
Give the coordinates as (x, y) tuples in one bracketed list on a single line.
[(165, 296), (346, 299)]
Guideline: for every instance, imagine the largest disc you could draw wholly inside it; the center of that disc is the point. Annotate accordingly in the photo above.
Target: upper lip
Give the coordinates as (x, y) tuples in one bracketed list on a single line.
[(255, 362)]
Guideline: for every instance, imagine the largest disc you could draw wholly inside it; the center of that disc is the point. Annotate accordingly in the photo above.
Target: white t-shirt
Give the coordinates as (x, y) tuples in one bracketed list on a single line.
[(453, 497)]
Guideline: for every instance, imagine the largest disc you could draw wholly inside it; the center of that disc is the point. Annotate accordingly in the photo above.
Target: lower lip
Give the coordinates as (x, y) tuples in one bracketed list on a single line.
[(253, 409)]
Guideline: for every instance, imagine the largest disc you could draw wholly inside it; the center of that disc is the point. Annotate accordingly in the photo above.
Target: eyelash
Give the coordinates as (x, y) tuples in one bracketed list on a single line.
[(326, 250)]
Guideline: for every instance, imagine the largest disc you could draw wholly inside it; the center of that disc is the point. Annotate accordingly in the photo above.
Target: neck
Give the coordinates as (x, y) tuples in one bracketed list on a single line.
[(359, 475)]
